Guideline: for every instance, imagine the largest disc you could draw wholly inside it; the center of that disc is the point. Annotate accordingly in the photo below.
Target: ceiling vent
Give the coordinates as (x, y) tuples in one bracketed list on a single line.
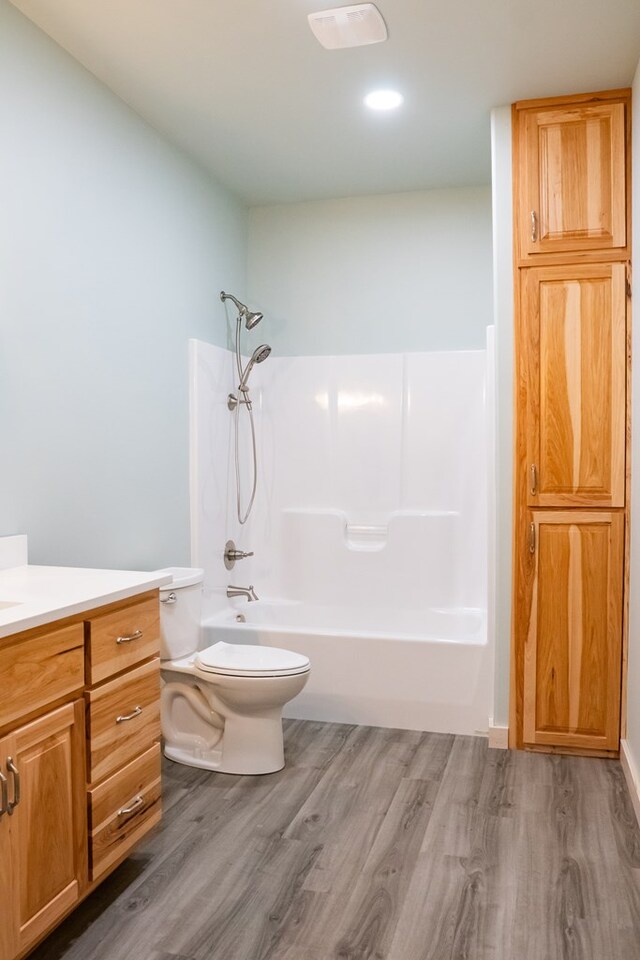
[(352, 26)]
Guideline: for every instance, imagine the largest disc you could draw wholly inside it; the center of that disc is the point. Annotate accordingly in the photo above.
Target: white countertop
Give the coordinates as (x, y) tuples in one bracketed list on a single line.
[(40, 595)]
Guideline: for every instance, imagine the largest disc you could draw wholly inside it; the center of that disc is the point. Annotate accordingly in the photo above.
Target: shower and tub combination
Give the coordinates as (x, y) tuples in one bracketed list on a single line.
[(367, 538), (221, 703)]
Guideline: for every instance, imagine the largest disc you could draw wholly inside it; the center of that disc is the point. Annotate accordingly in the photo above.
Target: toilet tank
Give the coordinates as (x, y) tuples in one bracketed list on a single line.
[(180, 612)]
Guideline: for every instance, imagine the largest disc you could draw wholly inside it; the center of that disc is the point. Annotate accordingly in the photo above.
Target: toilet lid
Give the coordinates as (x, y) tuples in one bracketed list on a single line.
[(249, 660)]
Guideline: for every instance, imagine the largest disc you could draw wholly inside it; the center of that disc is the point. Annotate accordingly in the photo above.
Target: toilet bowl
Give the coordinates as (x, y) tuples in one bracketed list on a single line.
[(221, 706)]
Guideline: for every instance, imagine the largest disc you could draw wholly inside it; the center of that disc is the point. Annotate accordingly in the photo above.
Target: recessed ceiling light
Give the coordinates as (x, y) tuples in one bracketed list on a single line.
[(383, 99)]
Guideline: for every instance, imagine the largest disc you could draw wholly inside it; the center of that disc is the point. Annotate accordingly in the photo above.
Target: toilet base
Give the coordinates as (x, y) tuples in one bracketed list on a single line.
[(210, 762), (230, 724), (246, 745)]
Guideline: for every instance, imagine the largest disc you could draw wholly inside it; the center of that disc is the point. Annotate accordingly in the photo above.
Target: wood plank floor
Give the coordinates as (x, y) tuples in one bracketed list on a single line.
[(377, 844)]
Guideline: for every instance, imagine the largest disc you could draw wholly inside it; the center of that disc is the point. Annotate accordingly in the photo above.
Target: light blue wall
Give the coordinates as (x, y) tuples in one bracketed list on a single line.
[(113, 248), (393, 273)]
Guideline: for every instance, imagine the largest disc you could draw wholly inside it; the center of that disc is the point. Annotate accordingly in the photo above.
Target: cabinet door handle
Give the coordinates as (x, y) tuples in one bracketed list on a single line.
[(534, 479), (134, 805), (12, 804), (534, 226), (532, 538), (4, 793), (128, 637), (129, 716)]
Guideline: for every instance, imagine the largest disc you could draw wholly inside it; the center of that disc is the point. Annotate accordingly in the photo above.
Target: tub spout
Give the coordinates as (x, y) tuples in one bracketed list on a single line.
[(247, 592)]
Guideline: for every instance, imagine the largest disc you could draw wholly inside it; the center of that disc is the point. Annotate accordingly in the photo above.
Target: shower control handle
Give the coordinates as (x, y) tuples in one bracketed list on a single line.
[(231, 554)]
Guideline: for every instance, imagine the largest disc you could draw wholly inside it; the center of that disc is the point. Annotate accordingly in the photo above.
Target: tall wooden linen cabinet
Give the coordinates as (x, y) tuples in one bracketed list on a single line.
[(572, 248)]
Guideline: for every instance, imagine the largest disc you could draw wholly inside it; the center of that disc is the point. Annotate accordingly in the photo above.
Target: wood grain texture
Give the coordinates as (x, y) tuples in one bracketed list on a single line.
[(105, 656), (456, 852), (111, 743), (112, 833), (627, 526), (559, 419), (47, 831), (572, 179), (576, 367), (572, 660), (40, 670), (8, 947)]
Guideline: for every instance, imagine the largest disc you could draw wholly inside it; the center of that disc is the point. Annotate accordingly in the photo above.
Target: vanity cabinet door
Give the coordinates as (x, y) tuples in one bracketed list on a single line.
[(572, 653), (44, 763), (575, 351), (572, 193), (8, 947)]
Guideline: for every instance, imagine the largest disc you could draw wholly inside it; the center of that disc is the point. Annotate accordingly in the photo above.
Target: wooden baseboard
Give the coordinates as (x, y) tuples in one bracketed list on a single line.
[(498, 737), (632, 775)]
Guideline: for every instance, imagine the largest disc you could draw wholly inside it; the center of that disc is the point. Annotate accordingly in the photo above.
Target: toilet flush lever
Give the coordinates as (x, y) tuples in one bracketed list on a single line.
[(231, 554), (170, 598)]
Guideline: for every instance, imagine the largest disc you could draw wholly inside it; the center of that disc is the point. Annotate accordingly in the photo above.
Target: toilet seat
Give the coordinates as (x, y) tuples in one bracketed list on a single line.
[(250, 660)]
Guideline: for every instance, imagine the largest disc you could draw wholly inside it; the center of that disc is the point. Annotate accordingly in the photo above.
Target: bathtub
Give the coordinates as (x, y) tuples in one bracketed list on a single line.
[(426, 669)]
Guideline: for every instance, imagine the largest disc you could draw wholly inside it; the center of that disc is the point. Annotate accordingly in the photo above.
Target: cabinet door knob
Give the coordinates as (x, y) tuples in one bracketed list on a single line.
[(13, 770), (129, 716), (128, 637)]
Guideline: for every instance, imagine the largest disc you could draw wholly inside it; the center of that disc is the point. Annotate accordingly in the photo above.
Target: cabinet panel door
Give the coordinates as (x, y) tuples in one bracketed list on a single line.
[(572, 197), (8, 948), (48, 826), (574, 326), (572, 661)]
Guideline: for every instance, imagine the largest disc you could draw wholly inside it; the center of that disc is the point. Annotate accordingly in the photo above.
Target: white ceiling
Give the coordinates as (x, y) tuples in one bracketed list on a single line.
[(244, 87)]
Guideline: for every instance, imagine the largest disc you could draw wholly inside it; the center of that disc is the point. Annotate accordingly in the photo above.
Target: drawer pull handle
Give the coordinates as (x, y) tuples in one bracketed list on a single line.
[(128, 637), (129, 716), (4, 808), (12, 804), (133, 806)]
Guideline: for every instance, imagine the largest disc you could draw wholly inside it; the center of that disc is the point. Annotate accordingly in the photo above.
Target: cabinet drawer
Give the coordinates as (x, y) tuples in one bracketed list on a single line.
[(123, 719), (122, 638), (40, 670), (123, 808)]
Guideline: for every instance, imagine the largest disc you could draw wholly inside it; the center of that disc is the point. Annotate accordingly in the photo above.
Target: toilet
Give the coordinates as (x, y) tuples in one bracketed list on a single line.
[(221, 706)]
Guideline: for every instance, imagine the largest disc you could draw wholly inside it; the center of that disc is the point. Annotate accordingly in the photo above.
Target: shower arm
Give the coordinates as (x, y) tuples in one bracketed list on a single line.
[(242, 309), (242, 312)]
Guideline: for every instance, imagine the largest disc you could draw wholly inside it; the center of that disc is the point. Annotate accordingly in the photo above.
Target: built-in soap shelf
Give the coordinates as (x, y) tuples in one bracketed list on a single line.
[(363, 536), (358, 536)]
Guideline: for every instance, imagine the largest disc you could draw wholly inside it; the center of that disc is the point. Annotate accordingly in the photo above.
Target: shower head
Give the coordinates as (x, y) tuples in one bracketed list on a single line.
[(250, 319), (259, 354)]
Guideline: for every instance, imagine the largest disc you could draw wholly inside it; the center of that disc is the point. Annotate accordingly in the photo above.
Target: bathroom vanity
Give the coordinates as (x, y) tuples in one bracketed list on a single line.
[(79, 737)]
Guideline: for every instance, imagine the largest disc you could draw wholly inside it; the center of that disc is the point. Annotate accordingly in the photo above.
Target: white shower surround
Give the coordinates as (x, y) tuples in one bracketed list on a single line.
[(369, 530)]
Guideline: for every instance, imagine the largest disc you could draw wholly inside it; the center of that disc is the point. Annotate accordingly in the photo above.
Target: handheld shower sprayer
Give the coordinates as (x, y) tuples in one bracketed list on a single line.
[(242, 399), (259, 354)]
